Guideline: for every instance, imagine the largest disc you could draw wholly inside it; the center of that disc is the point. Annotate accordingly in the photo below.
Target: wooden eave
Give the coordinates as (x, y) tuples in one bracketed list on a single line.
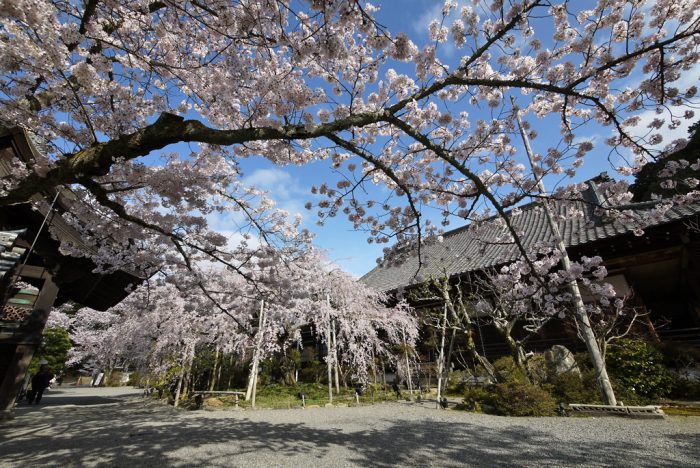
[(73, 275)]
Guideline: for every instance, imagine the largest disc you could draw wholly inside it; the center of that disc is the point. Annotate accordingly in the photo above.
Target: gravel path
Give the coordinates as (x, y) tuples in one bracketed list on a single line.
[(114, 427)]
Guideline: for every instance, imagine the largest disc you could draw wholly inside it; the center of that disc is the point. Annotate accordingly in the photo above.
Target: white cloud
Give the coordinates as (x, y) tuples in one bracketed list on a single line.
[(281, 187), (688, 79), (276, 181), (420, 24)]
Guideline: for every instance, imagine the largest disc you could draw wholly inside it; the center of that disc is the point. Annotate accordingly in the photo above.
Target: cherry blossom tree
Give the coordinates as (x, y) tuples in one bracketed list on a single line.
[(107, 85), (160, 327), (364, 328), (351, 319), (516, 295)]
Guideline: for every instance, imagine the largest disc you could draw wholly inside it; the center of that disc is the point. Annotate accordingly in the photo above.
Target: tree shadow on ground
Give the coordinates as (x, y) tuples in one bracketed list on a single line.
[(60, 398), (138, 434)]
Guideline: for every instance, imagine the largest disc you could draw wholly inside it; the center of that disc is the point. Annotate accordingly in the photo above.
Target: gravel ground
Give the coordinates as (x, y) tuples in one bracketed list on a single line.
[(114, 427)]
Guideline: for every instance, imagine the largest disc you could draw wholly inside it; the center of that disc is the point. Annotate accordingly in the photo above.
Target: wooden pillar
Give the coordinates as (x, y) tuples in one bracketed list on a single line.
[(12, 383), (29, 340)]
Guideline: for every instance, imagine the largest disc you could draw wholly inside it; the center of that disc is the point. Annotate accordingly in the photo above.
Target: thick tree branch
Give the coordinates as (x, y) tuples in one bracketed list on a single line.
[(97, 160)]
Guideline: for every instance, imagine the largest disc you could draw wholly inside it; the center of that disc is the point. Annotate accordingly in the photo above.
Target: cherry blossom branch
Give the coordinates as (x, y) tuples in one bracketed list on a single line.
[(101, 195), (392, 175), (201, 286), (479, 184)]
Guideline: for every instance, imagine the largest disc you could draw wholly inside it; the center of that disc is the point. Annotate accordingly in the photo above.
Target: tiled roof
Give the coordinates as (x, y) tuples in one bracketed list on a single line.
[(466, 249), (9, 254)]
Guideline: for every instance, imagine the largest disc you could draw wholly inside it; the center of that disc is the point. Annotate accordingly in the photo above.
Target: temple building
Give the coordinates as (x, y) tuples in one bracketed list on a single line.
[(659, 270), (35, 275)]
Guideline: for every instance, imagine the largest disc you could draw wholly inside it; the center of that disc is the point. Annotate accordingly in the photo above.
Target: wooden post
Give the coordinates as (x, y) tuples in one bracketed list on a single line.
[(329, 356), (335, 357), (441, 359), (580, 315), (253, 378)]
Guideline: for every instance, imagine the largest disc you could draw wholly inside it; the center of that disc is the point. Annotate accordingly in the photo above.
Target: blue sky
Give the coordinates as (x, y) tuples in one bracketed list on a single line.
[(290, 186)]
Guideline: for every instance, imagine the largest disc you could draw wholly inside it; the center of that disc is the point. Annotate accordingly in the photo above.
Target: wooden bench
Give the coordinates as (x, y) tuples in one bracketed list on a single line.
[(214, 392), (649, 411)]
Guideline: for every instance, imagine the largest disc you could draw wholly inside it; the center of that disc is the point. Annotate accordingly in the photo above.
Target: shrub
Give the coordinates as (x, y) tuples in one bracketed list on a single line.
[(522, 399), (458, 382), (507, 371), (313, 372), (637, 369), (537, 369), (478, 395), (583, 361), (685, 389), (572, 388)]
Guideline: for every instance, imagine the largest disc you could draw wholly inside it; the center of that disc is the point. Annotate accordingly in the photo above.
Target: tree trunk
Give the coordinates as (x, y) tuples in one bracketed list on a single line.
[(251, 373), (217, 379), (448, 361), (408, 365), (188, 384), (213, 370), (374, 370), (384, 377), (181, 377), (594, 353), (469, 334), (516, 349), (329, 356), (230, 372)]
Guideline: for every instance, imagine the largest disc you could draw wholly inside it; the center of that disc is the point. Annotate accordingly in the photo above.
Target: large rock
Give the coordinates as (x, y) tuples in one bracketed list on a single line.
[(561, 361)]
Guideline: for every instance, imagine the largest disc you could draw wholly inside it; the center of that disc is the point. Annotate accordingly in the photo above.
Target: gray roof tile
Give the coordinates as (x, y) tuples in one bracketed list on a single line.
[(462, 250), (9, 254)]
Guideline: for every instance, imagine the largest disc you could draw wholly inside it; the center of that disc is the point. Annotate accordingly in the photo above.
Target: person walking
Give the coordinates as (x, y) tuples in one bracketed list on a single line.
[(39, 383)]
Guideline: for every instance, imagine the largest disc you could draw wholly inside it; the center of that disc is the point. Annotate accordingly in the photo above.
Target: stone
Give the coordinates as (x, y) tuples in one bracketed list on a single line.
[(561, 361)]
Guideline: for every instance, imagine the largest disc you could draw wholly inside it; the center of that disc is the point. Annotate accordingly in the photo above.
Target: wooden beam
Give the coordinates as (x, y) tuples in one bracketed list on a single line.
[(32, 271), (638, 259)]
